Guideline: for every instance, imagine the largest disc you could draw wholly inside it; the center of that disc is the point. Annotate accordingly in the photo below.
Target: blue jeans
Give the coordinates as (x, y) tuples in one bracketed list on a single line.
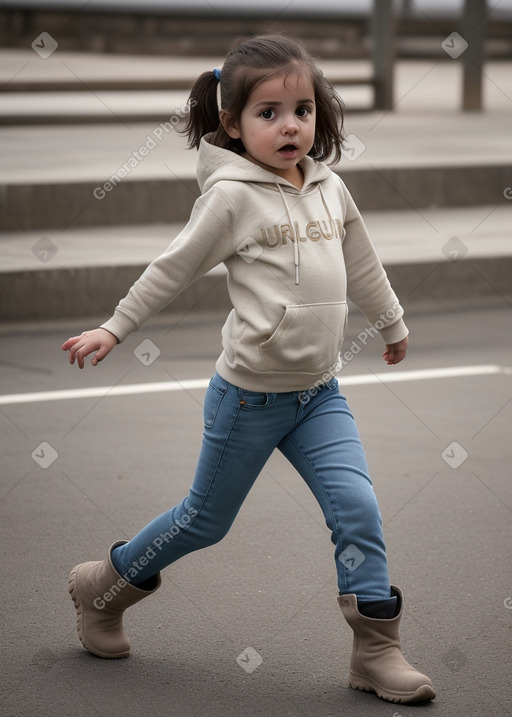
[(317, 433)]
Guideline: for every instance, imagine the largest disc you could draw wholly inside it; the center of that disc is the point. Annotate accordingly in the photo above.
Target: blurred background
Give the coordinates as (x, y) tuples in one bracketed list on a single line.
[(331, 28)]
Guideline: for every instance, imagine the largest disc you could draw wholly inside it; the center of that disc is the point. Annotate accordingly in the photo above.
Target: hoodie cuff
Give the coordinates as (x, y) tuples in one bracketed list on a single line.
[(120, 325), (394, 333)]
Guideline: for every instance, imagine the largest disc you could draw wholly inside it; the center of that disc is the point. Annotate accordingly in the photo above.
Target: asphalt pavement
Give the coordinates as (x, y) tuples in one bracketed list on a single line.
[(251, 626)]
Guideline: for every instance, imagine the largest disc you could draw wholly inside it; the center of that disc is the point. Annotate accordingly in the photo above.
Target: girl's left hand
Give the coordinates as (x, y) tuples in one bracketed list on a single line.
[(395, 353)]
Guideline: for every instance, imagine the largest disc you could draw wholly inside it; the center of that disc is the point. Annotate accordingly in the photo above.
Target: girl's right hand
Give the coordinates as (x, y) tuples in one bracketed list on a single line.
[(98, 341)]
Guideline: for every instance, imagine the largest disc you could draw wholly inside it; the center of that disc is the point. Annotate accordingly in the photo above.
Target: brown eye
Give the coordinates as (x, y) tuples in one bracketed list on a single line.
[(267, 114)]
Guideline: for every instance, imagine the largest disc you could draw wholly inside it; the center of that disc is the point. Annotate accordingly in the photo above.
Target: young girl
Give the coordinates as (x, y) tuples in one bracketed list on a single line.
[(294, 245)]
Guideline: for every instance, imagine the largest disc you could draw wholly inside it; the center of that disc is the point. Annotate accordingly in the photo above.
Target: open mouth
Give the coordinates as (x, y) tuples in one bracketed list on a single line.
[(288, 149)]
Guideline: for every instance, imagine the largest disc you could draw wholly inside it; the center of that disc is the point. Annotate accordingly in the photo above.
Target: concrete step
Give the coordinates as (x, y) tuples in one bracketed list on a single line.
[(26, 71), (436, 257), (110, 104), (123, 189), (42, 206), (73, 88), (55, 177)]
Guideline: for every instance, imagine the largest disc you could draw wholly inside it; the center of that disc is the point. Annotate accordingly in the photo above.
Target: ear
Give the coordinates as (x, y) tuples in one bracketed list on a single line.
[(232, 128)]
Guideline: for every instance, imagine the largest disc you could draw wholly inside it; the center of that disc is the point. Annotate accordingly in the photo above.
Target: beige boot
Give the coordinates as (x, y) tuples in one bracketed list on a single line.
[(101, 596), (377, 664)]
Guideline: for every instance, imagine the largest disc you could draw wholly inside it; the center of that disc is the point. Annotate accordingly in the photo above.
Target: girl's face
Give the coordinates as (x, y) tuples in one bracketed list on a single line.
[(277, 125)]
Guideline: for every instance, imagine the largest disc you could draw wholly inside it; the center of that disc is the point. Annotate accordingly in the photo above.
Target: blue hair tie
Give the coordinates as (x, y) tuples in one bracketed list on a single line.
[(216, 72)]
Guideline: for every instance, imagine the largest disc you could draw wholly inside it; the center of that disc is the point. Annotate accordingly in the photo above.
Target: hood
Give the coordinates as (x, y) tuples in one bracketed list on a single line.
[(216, 164)]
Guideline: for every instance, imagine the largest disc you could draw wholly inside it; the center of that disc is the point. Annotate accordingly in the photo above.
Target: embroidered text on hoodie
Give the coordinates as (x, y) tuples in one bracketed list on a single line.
[(292, 258)]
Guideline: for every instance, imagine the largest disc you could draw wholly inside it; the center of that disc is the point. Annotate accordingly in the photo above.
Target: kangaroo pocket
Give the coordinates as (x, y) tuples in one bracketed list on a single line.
[(308, 338)]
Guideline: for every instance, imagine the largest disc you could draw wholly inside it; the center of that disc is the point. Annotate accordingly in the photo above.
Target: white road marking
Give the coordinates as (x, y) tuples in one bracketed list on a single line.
[(424, 374), (202, 383)]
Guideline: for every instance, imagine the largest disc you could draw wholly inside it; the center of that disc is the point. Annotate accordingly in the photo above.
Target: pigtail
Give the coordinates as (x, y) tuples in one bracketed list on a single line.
[(204, 112)]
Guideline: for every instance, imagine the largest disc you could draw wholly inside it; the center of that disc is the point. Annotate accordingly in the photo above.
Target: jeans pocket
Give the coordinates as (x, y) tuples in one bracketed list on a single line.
[(254, 399), (212, 401)]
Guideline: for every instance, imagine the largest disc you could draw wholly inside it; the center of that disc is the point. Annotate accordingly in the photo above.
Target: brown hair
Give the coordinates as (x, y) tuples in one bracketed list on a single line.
[(250, 62)]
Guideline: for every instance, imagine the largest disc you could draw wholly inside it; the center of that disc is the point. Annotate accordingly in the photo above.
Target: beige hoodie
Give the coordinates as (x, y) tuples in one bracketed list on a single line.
[(292, 257)]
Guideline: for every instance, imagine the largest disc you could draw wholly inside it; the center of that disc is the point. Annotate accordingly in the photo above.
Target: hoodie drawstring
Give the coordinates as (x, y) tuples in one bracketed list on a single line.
[(326, 206), (296, 256), (296, 251)]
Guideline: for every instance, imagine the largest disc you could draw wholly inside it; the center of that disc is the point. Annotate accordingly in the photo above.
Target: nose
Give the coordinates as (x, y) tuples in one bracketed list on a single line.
[(290, 125)]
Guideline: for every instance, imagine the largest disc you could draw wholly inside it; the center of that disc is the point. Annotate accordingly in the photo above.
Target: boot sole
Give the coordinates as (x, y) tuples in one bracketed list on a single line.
[(75, 596), (425, 693)]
